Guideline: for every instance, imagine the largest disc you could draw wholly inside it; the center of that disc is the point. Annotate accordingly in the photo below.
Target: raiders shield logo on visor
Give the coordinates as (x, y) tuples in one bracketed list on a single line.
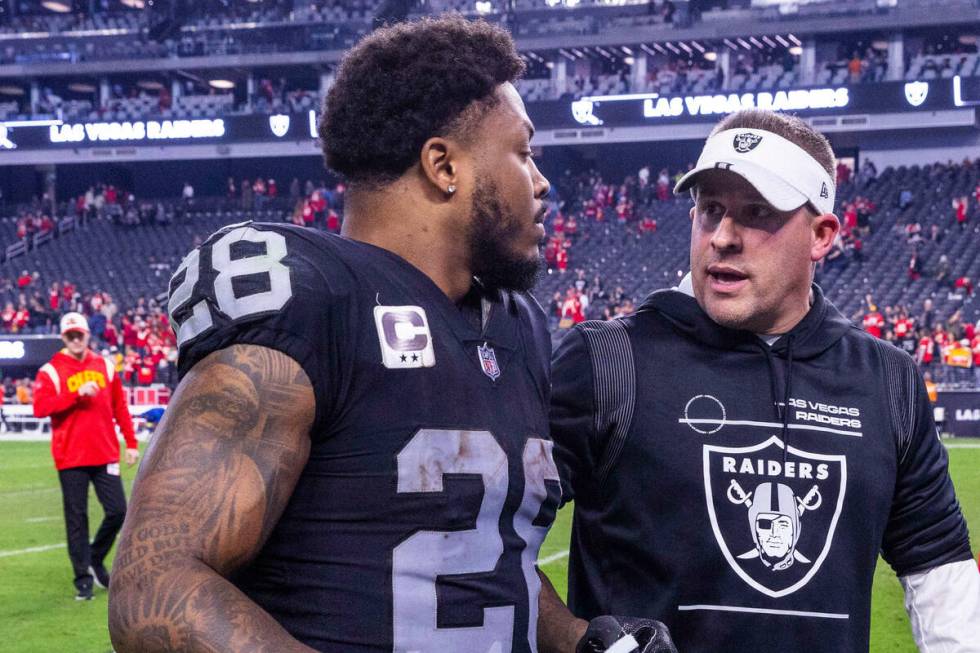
[(746, 142)]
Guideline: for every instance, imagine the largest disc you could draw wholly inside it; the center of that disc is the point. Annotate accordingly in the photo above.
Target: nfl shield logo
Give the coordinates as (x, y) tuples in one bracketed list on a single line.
[(488, 361)]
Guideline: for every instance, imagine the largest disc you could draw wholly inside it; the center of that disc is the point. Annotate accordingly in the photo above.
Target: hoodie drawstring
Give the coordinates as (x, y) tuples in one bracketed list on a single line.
[(786, 398), (782, 410)]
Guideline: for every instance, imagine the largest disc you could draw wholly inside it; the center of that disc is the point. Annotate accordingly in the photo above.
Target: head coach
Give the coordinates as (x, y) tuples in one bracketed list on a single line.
[(82, 394), (738, 453)]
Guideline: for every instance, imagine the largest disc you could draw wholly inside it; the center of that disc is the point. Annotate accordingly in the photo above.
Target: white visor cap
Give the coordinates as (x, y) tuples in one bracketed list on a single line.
[(783, 173)]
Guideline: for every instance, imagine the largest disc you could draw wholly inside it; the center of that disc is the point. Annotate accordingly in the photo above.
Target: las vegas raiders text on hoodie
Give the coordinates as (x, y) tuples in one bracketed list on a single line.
[(741, 493)]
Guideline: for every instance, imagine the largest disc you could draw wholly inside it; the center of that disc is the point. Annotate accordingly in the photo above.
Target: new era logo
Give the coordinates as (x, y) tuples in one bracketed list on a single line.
[(824, 191), (406, 341)]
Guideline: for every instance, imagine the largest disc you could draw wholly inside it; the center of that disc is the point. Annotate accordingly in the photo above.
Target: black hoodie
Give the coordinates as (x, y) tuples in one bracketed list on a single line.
[(702, 500)]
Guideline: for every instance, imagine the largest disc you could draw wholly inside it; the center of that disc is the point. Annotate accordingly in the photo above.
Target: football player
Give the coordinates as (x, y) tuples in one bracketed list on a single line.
[(357, 456)]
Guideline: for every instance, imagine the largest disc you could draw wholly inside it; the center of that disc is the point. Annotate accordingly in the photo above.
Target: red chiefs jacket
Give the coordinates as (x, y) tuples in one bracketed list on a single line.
[(82, 430)]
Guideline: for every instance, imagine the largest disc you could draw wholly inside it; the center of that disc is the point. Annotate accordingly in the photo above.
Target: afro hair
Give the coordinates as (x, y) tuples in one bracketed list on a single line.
[(407, 83)]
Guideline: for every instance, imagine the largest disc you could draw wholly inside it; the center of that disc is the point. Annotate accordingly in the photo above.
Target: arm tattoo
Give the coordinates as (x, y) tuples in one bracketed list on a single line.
[(215, 481)]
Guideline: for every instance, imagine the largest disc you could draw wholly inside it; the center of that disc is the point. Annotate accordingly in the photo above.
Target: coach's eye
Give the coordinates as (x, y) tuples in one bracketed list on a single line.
[(713, 210)]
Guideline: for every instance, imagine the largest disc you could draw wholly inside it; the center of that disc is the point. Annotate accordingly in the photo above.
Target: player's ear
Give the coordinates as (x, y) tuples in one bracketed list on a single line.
[(439, 167)]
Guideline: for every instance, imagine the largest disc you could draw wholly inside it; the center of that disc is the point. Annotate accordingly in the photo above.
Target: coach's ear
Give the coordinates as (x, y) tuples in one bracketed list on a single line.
[(824, 229), (440, 168)]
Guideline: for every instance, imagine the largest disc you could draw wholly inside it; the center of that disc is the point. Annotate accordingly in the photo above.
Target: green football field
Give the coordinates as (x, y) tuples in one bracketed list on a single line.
[(38, 613)]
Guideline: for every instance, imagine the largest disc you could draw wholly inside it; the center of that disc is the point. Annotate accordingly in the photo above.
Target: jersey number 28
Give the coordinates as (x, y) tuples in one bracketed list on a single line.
[(228, 269)]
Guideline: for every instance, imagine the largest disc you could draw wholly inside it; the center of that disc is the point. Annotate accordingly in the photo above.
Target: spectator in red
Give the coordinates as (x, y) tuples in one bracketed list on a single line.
[(975, 349), (146, 372), (142, 335), (7, 317), (110, 334), (551, 252), (572, 308), (648, 225), (592, 211), (307, 214), (111, 195), (82, 395), (965, 284), (319, 205), (874, 322), (904, 331), (333, 221), (561, 258), (21, 318), (272, 190), (558, 225), (960, 206), (915, 268), (571, 227), (942, 339), (926, 350), (128, 332), (24, 280), (843, 173), (850, 217), (131, 362)]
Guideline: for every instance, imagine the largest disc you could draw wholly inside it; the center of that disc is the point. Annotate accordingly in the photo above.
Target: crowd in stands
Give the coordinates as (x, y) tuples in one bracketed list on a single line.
[(638, 221), (943, 348), (909, 238)]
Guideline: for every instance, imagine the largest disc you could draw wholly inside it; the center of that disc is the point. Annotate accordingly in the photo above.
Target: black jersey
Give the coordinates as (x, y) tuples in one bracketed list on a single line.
[(430, 484)]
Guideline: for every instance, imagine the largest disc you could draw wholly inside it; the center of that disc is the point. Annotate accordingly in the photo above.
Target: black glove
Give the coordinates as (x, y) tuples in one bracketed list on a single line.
[(605, 631)]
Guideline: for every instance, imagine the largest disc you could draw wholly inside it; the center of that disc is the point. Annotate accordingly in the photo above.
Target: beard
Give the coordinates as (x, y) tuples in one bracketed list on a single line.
[(491, 235)]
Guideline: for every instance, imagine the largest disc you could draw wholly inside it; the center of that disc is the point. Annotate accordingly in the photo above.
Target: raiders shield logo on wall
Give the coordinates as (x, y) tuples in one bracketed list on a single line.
[(774, 521), (746, 142), (279, 124), (916, 93)]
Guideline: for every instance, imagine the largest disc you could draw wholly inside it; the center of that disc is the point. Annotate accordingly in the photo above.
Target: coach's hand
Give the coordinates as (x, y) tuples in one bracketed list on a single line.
[(626, 635), (88, 389), (132, 455)]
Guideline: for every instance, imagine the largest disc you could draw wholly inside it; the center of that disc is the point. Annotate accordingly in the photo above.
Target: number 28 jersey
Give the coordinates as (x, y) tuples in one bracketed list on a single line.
[(430, 484)]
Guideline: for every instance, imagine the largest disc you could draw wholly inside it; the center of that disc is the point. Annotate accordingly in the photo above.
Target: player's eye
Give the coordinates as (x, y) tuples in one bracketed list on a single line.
[(764, 524)]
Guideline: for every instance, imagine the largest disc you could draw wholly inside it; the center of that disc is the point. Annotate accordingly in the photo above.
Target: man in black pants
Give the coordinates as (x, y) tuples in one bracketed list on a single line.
[(82, 395)]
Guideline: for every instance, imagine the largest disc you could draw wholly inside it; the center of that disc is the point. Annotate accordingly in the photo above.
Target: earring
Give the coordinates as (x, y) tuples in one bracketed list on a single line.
[(451, 189)]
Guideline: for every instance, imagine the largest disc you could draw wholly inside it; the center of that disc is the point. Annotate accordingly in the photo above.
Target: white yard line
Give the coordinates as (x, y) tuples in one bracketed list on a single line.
[(953, 445), (30, 490), (33, 549), (38, 520), (554, 557)]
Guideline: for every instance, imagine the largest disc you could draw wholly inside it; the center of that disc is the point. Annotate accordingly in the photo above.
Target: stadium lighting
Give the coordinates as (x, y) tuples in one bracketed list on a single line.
[(223, 84), (150, 85), (134, 4), (11, 90), (484, 7), (629, 61), (711, 56), (796, 50), (57, 6), (81, 87)]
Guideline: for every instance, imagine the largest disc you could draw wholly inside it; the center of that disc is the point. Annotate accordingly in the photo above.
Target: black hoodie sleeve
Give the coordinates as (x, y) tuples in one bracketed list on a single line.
[(925, 528), (572, 413)]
